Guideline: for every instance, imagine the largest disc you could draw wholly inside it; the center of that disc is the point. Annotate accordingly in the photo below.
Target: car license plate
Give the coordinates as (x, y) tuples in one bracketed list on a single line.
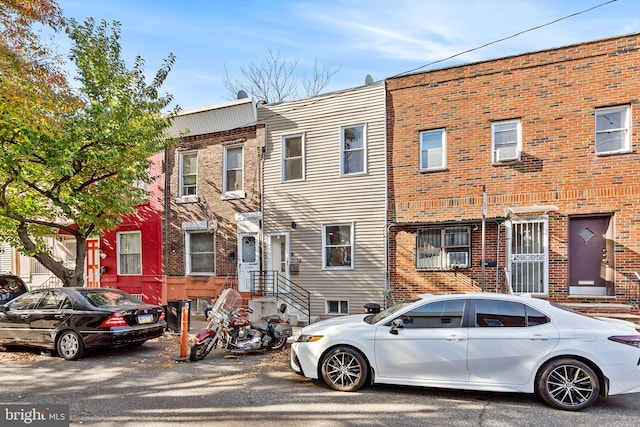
[(145, 318)]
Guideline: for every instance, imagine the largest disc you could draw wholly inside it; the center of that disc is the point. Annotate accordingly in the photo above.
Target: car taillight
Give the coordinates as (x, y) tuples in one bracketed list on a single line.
[(633, 340), (115, 319), (161, 315)]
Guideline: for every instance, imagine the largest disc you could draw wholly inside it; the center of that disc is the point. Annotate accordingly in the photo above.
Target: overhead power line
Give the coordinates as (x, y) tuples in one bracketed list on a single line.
[(506, 38)]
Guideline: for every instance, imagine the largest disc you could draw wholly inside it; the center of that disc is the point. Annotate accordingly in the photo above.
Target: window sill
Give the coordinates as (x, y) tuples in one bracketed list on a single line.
[(233, 195), (613, 153), (187, 199), (425, 171), (507, 163)]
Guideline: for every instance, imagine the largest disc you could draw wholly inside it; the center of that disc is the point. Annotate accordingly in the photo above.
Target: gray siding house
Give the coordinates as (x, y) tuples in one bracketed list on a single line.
[(324, 198)]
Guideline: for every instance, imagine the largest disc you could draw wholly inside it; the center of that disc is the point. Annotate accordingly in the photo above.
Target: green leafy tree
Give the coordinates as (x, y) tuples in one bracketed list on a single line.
[(70, 158)]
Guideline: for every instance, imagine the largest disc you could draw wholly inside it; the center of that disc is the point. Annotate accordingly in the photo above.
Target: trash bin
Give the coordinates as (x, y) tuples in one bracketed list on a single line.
[(174, 314), (372, 308)]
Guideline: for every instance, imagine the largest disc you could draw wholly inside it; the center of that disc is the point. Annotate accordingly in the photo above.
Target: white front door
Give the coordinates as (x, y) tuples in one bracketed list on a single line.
[(247, 260), (248, 227), (278, 254)]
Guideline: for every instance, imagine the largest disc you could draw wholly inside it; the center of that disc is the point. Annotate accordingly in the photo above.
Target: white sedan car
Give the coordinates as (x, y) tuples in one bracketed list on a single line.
[(476, 341)]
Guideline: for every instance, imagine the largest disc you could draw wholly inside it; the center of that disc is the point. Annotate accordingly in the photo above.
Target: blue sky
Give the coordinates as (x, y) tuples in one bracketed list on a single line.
[(376, 37)]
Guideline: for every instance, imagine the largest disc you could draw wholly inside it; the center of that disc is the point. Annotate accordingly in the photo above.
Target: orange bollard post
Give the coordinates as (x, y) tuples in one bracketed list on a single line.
[(184, 325)]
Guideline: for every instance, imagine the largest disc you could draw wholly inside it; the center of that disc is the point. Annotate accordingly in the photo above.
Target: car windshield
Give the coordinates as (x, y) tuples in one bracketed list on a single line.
[(375, 318), (109, 298)]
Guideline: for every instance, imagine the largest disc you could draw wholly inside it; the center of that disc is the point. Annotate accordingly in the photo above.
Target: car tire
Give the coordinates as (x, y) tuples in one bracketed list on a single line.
[(344, 369), (568, 384), (70, 345)]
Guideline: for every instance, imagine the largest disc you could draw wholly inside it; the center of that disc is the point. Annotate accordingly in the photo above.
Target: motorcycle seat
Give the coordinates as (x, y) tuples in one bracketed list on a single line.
[(272, 318), (261, 325)]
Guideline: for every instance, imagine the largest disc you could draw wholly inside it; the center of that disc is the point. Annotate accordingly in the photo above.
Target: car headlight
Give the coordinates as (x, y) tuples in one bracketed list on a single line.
[(308, 338)]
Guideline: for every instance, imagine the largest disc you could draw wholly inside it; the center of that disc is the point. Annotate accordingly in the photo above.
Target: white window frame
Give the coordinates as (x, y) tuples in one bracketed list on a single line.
[(182, 186), (340, 306), (232, 194), (501, 157), (119, 252), (443, 149), (187, 253), (443, 252), (625, 129), (351, 245), (344, 151), (302, 158)]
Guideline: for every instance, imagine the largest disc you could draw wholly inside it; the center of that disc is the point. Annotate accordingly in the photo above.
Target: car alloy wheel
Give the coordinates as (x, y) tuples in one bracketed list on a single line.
[(344, 369), (70, 346), (568, 384)]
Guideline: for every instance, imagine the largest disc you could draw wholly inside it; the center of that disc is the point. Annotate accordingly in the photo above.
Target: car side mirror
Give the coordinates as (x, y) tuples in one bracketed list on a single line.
[(396, 325)]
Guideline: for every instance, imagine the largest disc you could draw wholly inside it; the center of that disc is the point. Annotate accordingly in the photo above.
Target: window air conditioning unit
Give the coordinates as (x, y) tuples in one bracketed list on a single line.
[(458, 259), (507, 153)]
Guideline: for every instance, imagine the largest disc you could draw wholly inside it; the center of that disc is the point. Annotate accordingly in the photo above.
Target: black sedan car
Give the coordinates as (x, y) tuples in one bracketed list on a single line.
[(72, 320)]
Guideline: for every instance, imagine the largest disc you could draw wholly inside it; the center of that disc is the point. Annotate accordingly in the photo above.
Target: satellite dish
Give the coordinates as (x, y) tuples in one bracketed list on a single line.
[(242, 94), (368, 80)]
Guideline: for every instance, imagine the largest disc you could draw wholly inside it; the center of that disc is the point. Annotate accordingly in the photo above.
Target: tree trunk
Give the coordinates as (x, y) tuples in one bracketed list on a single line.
[(68, 277)]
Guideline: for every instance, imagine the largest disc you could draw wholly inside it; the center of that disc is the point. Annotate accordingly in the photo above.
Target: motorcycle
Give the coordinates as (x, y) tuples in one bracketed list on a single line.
[(235, 333)]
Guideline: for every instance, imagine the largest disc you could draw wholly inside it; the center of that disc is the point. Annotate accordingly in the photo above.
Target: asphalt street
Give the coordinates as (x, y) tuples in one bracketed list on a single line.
[(145, 386)]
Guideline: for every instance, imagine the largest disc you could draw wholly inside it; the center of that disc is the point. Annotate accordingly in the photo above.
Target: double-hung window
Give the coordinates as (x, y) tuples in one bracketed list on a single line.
[(432, 149), (443, 248), (233, 171), (293, 157), (337, 245), (353, 150), (188, 173), (613, 130), (200, 252), (129, 248), (506, 141)]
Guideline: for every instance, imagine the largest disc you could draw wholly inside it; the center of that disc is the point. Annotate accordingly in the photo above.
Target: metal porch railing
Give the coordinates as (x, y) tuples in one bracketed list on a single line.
[(273, 284)]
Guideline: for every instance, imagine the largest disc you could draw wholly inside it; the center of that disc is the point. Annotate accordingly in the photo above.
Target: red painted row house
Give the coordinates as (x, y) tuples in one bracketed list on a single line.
[(130, 257)]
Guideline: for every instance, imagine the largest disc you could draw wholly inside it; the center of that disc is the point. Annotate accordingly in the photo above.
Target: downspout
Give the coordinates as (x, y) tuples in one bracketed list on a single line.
[(165, 214), (387, 284), (263, 248)]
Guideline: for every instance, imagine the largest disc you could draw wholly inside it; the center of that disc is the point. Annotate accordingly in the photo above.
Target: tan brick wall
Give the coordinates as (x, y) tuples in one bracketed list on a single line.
[(209, 187)]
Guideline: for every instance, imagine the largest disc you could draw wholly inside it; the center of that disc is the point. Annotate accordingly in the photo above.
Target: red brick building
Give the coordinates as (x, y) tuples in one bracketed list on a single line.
[(552, 138)]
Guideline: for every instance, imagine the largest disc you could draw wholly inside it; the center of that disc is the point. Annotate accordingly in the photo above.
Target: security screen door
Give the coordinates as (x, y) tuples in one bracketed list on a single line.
[(528, 255)]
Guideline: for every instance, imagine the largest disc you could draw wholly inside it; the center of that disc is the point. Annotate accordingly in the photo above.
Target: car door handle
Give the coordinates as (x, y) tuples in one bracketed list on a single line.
[(455, 338), (538, 337), (24, 316)]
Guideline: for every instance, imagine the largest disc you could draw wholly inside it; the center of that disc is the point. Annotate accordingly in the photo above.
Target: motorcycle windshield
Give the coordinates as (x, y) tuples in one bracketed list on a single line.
[(227, 301)]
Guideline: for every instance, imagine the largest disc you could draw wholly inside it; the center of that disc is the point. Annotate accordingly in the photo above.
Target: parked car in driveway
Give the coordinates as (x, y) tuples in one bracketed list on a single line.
[(476, 341), (11, 286), (73, 320)]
